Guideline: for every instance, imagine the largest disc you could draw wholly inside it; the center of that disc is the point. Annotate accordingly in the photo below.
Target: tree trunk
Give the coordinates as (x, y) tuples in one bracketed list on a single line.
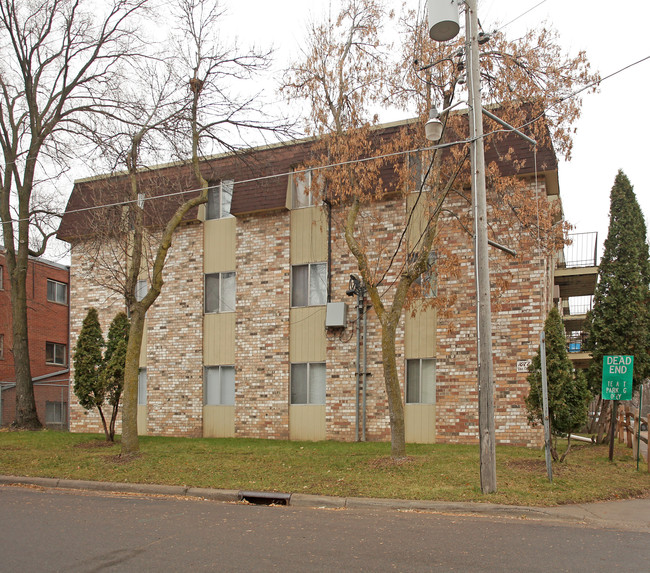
[(101, 415), (26, 416), (111, 427), (130, 442), (393, 392), (568, 448)]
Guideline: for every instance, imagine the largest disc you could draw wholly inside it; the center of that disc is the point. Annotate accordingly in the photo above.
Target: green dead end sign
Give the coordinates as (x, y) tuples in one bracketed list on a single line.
[(617, 377)]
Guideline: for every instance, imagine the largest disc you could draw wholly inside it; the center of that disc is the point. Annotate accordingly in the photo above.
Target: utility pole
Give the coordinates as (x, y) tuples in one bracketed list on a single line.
[(483, 306)]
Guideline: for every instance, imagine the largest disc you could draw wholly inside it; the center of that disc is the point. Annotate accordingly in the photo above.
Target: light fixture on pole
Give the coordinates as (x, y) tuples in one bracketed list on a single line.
[(433, 127), (443, 19)]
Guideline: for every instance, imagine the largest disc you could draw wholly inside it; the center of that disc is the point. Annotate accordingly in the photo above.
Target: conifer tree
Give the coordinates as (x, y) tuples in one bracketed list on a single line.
[(619, 323), (620, 320), (112, 374), (568, 394), (88, 362)]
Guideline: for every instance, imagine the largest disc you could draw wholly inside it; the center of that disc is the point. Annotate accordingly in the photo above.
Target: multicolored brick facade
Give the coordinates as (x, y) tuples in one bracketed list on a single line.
[(263, 326)]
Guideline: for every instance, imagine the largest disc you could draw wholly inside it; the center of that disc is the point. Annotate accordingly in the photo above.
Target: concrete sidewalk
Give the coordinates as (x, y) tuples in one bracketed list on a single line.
[(629, 514)]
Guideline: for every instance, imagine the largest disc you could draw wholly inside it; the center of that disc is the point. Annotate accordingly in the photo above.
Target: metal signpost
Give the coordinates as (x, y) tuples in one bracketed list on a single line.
[(617, 385)]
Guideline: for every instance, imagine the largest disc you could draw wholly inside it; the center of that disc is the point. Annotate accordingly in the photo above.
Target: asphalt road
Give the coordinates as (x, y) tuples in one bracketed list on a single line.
[(74, 531)]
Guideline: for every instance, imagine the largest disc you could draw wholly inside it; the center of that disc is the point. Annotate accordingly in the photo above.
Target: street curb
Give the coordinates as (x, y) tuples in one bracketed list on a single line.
[(296, 499)]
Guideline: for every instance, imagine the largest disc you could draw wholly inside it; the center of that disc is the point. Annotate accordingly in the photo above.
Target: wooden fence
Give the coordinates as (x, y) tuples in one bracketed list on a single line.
[(627, 428)]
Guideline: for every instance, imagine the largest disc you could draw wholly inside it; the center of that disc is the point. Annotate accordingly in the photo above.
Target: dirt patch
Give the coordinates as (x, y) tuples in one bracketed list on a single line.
[(94, 444), (533, 466)]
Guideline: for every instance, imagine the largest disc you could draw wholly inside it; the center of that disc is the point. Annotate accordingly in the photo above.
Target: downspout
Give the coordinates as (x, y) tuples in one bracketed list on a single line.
[(365, 364), (358, 373)]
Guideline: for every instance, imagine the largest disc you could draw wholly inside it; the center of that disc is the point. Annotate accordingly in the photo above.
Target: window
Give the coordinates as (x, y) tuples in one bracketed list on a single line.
[(219, 199), (142, 387), (219, 388), (302, 194), (428, 280), (308, 383), (55, 353), (309, 284), (421, 381), (220, 292), (141, 288), (55, 413), (2, 346), (57, 292)]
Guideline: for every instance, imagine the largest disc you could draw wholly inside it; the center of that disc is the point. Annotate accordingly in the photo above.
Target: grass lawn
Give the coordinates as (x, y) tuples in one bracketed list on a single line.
[(432, 472)]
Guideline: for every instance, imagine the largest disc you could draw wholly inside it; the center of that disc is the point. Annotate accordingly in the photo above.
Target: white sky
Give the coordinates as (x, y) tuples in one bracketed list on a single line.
[(612, 131)]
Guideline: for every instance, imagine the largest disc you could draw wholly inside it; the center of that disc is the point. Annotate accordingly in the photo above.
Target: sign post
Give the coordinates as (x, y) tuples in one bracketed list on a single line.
[(617, 385)]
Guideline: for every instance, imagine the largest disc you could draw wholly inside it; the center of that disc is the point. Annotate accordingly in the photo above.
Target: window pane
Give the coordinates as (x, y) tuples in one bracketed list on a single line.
[(318, 284), (59, 354), (428, 381), (212, 208), (49, 352), (299, 290), (228, 385), (51, 290), (142, 386), (212, 386), (299, 384), (62, 293), (212, 293), (226, 196), (301, 192), (317, 383), (228, 289), (140, 290), (412, 381)]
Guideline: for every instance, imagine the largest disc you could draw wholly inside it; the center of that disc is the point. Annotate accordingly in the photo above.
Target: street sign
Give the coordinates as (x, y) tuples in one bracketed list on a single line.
[(617, 377)]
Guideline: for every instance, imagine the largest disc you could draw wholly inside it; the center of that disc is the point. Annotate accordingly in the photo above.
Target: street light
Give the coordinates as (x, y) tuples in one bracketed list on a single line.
[(433, 127)]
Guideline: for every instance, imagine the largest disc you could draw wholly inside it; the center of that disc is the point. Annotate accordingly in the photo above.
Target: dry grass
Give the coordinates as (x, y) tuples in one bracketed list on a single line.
[(433, 472)]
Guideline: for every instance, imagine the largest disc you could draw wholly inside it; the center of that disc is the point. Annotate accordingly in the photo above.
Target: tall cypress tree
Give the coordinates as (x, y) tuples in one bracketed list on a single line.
[(88, 362), (620, 320), (112, 374)]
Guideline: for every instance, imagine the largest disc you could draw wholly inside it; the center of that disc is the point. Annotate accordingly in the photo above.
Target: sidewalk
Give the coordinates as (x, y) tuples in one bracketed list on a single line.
[(629, 514)]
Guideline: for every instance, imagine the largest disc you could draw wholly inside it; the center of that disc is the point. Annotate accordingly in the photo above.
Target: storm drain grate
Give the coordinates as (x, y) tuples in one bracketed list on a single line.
[(265, 497)]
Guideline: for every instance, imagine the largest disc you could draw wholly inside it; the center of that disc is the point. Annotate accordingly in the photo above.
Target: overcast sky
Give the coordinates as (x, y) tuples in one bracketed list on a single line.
[(611, 133)]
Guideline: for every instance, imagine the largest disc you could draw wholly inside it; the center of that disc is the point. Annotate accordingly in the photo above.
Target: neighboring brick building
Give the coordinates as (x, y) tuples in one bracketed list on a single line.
[(48, 328), (236, 344)]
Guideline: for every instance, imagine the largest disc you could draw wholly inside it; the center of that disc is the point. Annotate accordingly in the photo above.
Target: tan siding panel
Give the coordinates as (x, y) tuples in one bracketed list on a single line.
[(219, 339), (420, 423), (307, 422), (142, 419), (308, 235), (218, 421), (420, 333), (308, 342), (219, 245)]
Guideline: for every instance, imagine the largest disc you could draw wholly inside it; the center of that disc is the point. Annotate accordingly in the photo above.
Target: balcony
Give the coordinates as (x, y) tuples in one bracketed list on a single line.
[(575, 281)]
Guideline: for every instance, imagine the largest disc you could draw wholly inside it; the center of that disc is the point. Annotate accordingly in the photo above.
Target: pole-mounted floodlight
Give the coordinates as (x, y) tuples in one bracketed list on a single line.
[(443, 19), (433, 127)]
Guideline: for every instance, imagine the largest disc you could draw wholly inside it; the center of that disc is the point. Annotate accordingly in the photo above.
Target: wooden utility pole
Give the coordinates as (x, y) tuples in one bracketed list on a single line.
[(484, 310)]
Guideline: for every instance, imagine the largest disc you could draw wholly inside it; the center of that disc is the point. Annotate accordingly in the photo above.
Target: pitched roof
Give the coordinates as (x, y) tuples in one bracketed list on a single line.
[(261, 180)]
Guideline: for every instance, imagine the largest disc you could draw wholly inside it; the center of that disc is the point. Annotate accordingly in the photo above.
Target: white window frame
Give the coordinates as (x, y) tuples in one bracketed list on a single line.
[(57, 288), (219, 385), (226, 301), (316, 290), (59, 353), (141, 288), (302, 194), (219, 199), (315, 374), (142, 387), (421, 393)]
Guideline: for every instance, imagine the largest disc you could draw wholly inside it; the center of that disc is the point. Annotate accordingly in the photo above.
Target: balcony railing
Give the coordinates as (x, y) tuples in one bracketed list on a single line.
[(576, 341), (582, 252)]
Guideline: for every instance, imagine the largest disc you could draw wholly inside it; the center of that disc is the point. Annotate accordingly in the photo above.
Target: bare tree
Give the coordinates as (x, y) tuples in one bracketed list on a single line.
[(185, 104), (60, 57), (345, 74)]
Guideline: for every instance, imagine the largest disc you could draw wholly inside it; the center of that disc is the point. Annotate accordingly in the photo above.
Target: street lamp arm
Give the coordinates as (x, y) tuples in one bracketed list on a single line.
[(509, 127)]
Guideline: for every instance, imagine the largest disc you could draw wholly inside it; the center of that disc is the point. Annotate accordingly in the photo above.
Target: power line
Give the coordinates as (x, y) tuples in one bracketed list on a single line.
[(520, 16)]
